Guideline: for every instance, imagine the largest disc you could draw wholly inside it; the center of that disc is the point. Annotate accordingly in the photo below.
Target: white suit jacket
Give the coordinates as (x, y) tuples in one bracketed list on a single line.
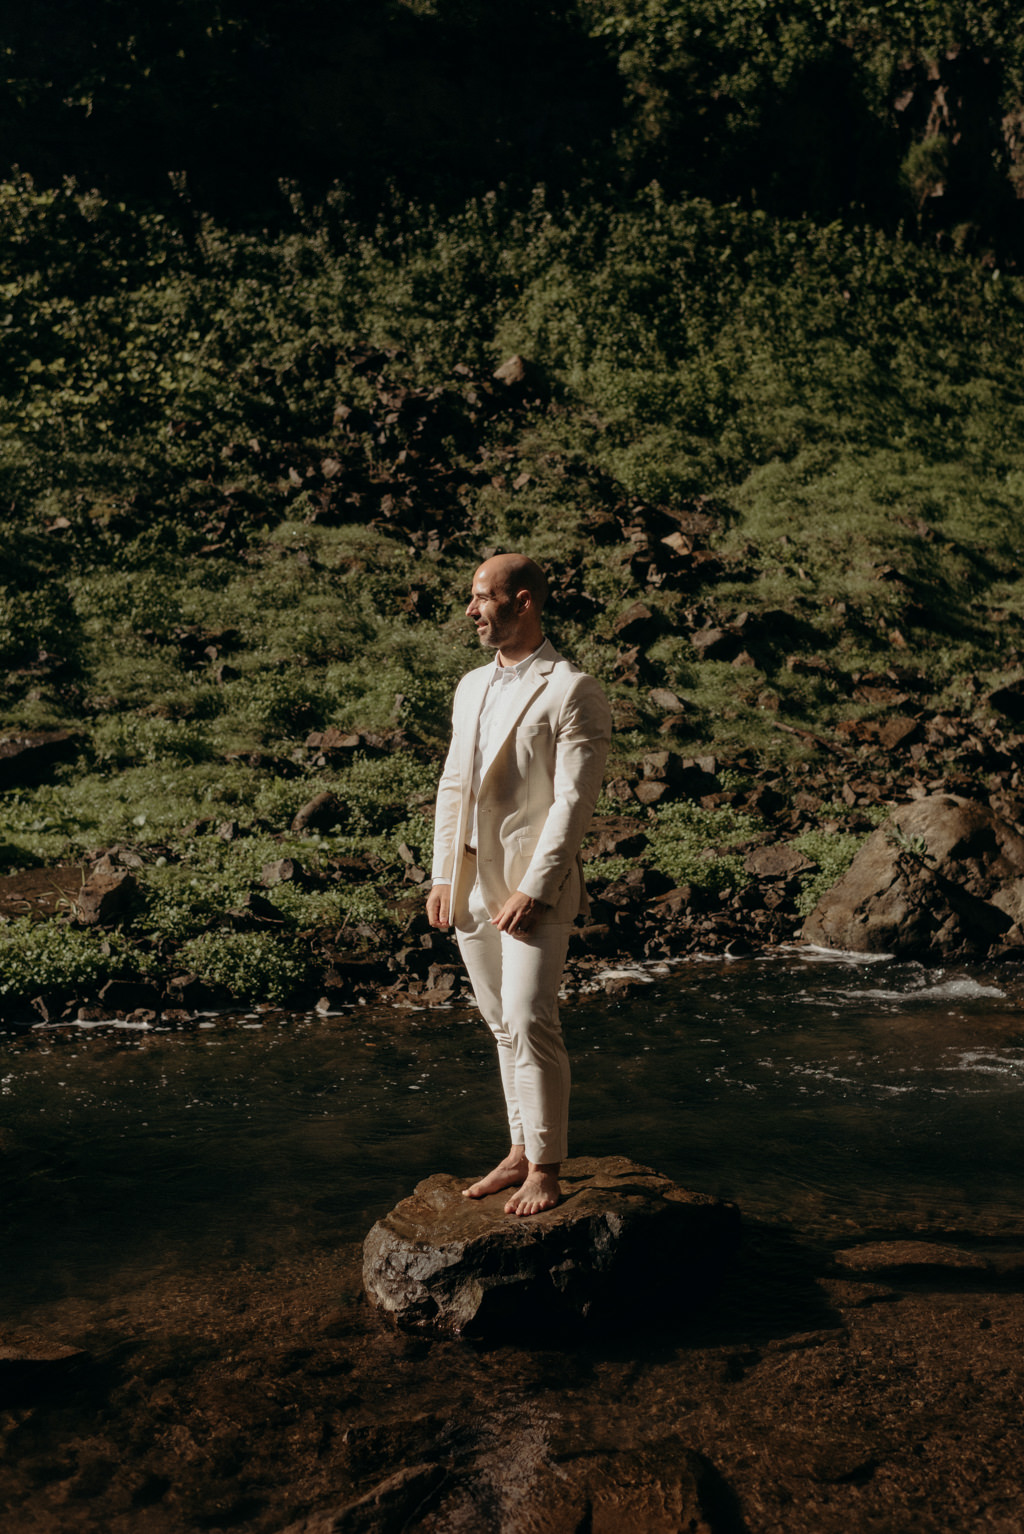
[(537, 794)]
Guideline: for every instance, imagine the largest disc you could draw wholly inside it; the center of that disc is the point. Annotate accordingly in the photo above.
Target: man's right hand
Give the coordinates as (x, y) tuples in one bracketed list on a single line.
[(439, 905)]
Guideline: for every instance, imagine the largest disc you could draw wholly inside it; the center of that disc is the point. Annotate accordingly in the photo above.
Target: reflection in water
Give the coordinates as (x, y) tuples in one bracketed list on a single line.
[(844, 1098)]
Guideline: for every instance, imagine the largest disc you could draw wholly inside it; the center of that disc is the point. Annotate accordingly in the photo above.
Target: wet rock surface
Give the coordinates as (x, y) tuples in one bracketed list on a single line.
[(624, 1239), (810, 1395)]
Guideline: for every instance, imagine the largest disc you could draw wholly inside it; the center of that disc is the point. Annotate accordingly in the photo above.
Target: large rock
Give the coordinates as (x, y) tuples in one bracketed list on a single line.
[(105, 897), (36, 1365), (624, 1243), (943, 878), (30, 758)]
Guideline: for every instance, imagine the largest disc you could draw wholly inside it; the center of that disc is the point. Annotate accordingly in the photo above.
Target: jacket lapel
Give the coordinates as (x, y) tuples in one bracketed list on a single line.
[(470, 715), (533, 683)]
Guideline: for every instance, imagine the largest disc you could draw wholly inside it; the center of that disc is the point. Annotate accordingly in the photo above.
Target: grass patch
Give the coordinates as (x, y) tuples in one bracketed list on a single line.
[(691, 845)]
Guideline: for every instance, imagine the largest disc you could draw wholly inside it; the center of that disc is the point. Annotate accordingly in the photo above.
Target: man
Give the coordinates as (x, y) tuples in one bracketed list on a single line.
[(529, 740)]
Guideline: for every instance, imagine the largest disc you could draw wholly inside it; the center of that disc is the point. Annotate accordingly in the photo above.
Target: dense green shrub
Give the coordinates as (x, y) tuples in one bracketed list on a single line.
[(690, 845), (51, 956), (253, 966), (221, 561), (833, 852)]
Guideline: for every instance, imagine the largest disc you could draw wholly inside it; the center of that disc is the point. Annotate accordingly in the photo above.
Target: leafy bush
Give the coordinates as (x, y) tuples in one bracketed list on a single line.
[(687, 844), (41, 956), (254, 966), (601, 871), (833, 852)]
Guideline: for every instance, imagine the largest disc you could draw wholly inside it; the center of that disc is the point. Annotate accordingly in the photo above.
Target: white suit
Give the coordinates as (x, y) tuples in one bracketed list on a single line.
[(541, 778)]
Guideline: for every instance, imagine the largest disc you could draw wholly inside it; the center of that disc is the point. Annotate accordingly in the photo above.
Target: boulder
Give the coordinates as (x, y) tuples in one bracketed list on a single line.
[(666, 701), (283, 871), (515, 373), (624, 1244), (391, 1504), (319, 814), (776, 862), (940, 879), (105, 897), (542, 1484), (637, 625), (910, 1258), (716, 644), (36, 1365), (29, 759)]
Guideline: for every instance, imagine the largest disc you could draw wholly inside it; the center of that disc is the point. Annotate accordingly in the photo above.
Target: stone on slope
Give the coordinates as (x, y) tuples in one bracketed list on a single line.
[(624, 1244), (29, 758), (105, 897)]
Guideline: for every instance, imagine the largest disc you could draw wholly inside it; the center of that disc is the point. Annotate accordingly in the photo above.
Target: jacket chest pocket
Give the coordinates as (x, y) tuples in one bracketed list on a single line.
[(535, 765), (533, 744)]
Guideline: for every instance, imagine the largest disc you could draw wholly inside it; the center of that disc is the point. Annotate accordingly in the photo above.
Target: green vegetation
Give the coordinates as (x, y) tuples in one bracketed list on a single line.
[(246, 964), (248, 457), (37, 957), (833, 853), (689, 841)]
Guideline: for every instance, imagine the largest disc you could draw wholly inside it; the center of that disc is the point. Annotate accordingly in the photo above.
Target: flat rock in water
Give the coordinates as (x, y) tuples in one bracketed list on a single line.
[(909, 1257), (624, 1245), (658, 1488), (28, 1365)]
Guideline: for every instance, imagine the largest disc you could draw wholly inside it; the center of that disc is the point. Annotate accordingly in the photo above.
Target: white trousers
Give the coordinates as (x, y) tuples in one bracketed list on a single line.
[(515, 981)]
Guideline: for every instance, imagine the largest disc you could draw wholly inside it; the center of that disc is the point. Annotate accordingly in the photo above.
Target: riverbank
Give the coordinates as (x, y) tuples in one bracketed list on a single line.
[(686, 855), (870, 1387)]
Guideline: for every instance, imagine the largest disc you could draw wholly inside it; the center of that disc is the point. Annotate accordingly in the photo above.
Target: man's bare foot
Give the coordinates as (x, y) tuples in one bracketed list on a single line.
[(540, 1191), (507, 1174)]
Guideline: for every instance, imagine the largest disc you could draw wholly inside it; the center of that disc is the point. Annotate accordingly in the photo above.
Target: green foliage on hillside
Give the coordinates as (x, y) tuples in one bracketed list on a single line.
[(252, 441), (246, 479), (174, 457), (903, 109)]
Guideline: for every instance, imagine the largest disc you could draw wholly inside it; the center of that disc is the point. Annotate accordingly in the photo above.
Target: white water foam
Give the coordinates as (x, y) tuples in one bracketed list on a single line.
[(816, 955), (947, 990), (85, 1024), (988, 1062)]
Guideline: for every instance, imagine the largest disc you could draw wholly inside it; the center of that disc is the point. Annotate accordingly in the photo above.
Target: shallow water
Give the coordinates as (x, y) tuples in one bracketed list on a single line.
[(843, 1097)]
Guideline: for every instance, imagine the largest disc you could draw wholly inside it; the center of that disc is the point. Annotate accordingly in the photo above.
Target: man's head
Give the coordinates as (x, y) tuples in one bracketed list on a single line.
[(509, 592)]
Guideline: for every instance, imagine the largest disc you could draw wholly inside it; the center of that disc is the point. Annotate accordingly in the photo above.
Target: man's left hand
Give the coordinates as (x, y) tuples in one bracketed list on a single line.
[(519, 915)]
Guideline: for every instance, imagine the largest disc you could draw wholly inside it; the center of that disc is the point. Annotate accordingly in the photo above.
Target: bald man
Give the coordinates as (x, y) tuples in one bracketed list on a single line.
[(530, 734)]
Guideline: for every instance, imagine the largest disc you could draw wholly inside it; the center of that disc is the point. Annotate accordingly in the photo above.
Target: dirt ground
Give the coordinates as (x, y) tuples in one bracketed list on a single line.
[(876, 1391), (40, 891)]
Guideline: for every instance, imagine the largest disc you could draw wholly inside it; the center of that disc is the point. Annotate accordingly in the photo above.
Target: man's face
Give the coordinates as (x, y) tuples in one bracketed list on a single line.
[(494, 611)]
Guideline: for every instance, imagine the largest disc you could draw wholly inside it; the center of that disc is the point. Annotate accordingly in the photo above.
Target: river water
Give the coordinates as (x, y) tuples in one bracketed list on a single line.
[(847, 1098)]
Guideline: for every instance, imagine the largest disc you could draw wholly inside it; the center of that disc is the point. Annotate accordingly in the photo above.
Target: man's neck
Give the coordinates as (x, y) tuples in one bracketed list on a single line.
[(521, 652)]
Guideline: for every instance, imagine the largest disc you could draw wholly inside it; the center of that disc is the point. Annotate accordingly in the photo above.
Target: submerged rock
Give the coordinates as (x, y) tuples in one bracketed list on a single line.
[(538, 1487), (944, 877), (35, 1364), (624, 1244)]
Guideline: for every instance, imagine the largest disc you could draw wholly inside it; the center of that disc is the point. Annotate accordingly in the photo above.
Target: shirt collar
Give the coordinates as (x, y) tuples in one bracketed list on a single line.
[(503, 676)]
